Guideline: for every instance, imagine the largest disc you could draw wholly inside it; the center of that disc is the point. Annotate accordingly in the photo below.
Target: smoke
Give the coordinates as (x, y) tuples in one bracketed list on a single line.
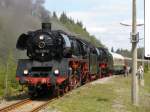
[(20, 16), (16, 17)]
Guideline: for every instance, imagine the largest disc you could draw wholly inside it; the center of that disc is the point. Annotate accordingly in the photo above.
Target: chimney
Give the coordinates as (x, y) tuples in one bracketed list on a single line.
[(46, 27)]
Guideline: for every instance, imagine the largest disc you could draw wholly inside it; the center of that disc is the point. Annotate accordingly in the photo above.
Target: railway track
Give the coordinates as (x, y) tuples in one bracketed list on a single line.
[(15, 105), (24, 106), (37, 109)]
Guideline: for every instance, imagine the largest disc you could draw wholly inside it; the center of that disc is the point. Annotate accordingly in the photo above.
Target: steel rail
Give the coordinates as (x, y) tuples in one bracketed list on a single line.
[(37, 109), (15, 105)]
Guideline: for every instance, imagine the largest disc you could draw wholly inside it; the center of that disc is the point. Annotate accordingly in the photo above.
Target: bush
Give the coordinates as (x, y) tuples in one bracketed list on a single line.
[(8, 70)]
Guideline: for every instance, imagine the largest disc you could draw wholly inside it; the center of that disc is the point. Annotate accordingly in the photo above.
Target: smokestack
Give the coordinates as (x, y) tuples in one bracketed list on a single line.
[(46, 26)]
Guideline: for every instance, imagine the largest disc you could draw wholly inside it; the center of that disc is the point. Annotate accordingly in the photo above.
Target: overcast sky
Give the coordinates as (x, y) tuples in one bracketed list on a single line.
[(102, 18)]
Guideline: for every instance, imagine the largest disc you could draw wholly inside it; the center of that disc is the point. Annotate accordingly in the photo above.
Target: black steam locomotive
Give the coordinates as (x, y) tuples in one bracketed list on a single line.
[(58, 61)]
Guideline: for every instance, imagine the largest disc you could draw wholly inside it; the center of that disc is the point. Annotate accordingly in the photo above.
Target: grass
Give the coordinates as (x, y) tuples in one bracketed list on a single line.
[(112, 96)]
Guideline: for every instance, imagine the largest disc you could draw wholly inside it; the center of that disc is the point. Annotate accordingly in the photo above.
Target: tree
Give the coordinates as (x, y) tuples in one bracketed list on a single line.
[(118, 51), (10, 81), (85, 29), (112, 49), (71, 21), (124, 52), (55, 15), (63, 18), (79, 23), (140, 52)]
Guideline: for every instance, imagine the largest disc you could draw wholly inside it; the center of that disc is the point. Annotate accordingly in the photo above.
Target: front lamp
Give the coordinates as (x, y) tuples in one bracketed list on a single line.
[(56, 72), (25, 72), (41, 37)]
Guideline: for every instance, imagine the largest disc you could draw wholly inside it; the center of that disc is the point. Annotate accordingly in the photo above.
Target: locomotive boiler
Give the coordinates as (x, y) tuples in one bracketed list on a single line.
[(44, 44)]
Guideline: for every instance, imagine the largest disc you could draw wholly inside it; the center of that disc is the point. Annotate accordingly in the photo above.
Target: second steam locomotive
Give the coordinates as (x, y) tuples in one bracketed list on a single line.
[(59, 61)]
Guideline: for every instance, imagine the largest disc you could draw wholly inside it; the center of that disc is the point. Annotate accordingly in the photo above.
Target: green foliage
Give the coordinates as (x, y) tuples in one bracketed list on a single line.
[(11, 71), (79, 24), (112, 95), (97, 98), (63, 18), (2, 78), (147, 82), (140, 53), (8, 71), (112, 49), (146, 68), (124, 52), (128, 53)]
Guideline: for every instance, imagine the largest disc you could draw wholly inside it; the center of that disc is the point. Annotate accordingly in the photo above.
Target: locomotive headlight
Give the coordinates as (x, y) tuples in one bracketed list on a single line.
[(41, 37), (25, 72), (56, 72)]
